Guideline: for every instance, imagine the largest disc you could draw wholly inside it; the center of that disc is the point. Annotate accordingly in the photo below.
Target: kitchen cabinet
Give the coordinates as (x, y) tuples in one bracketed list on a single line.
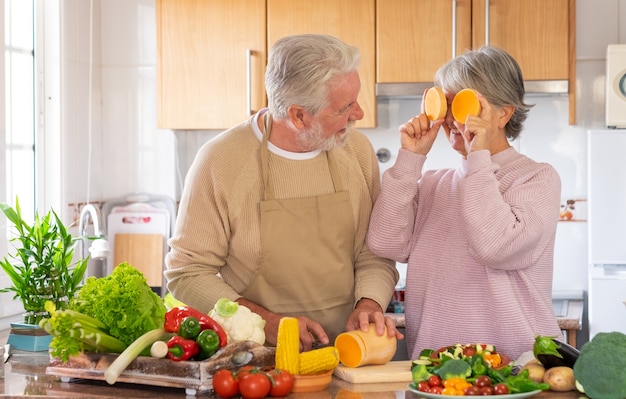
[(350, 20), (414, 37), (212, 54), (210, 62)]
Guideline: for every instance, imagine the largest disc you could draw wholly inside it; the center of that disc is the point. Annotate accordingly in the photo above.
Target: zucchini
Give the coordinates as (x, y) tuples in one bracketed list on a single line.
[(553, 353)]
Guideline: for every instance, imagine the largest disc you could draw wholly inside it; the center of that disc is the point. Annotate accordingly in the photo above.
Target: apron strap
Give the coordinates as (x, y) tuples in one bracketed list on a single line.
[(269, 189)]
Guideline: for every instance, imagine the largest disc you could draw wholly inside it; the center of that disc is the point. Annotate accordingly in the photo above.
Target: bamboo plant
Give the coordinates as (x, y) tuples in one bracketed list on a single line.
[(42, 267)]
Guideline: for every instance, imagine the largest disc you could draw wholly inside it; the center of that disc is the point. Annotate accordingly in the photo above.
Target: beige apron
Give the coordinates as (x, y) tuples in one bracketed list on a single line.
[(306, 265)]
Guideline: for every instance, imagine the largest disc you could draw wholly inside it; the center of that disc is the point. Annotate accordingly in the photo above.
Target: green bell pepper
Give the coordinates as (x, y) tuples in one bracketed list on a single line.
[(189, 327), (209, 342), (479, 367)]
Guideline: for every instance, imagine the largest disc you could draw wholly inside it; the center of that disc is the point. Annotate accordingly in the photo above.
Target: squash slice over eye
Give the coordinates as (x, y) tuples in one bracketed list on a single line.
[(464, 104), (435, 104)]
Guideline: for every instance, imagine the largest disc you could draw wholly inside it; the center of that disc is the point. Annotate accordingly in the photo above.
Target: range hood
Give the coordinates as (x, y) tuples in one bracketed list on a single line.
[(417, 89)]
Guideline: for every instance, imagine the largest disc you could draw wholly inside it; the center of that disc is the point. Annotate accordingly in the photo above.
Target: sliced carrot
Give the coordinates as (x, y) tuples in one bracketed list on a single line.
[(435, 104), (465, 103)]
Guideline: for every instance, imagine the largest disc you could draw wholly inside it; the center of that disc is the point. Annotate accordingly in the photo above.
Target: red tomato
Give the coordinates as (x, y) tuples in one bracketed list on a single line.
[(469, 351), (254, 385), (225, 384), (487, 390), (434, 381), (500, 389), (436, 390), (423, 386), (483, 381), (472, 390), (282, 382), (244, 371)]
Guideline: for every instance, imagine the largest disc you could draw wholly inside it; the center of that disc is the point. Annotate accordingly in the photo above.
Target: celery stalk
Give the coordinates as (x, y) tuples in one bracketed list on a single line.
[(112, 373)]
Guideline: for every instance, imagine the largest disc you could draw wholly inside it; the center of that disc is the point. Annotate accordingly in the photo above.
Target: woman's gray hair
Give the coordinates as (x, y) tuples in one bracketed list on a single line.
[(301, 68), (495, 74)]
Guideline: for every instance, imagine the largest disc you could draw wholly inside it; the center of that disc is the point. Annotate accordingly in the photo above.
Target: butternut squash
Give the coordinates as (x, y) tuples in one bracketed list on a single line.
[(359, 348), (435, 104), (464, 104)]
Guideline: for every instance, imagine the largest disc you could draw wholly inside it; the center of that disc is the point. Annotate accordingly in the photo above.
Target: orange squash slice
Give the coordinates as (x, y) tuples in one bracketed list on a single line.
[(465, 103), (435, 104)]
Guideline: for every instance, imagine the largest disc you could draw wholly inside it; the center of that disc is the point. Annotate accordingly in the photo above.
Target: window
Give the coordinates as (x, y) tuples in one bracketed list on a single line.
[(20, 97), (18, 117)]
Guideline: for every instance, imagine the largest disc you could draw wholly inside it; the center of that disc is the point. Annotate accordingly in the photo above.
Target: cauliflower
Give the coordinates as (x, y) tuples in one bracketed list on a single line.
[(239, 322)]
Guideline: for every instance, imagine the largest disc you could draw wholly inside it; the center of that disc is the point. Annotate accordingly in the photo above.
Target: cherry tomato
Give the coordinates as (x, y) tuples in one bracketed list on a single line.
[(483, 381), (500, 389), (469, 351), (225, 384), (423, 386), (282, 382), (434, 381), (486, 391), (254, 385), (436, 390), (472, 390)]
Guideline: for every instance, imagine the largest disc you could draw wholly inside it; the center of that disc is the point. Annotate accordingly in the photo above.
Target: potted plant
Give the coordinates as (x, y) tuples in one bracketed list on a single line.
[(42, 267)]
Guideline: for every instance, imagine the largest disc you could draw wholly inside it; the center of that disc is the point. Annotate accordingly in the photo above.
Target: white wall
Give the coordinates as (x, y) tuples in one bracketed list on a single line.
[(130, 154), (126, 152)]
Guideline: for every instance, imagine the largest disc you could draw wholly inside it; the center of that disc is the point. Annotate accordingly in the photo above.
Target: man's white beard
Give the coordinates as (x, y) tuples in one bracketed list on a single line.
[(313, 139)]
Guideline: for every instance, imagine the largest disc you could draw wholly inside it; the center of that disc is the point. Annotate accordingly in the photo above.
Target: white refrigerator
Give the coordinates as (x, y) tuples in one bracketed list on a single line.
[(606, 171)]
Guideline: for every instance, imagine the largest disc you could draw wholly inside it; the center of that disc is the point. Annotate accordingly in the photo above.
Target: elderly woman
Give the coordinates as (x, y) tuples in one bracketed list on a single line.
[(478, 239)]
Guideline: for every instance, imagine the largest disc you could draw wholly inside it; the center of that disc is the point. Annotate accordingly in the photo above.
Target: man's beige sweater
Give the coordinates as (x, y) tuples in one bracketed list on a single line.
[(216, 245)]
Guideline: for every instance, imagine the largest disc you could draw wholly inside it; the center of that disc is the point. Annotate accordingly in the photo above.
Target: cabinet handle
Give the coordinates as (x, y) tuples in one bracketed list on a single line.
[(249, 81), (453, 28), (486, 22)]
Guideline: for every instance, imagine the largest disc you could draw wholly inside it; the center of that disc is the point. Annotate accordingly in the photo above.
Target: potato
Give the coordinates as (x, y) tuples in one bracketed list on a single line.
[(536, 371), (560, 378), (533, 361)]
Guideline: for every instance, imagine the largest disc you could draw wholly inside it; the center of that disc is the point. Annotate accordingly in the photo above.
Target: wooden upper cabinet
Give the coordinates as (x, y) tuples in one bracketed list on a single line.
[(350, 20), (414, 37), (211, 62), (534, 32)]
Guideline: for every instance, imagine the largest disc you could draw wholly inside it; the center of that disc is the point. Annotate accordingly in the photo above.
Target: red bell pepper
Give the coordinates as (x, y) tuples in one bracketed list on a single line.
[(179, 348), (175, 316)]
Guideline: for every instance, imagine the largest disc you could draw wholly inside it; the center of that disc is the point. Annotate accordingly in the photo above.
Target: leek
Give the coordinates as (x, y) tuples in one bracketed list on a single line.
[(112, 373)]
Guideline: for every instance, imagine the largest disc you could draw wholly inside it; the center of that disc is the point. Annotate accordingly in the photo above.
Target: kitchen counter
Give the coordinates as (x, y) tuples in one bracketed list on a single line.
[(24, 376)]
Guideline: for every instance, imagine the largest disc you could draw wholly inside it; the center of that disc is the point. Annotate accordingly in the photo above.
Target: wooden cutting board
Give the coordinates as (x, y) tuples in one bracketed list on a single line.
[(395, 371), (144, 252)]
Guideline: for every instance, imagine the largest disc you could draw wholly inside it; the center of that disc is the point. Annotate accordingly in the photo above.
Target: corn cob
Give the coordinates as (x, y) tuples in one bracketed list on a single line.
[(319, 360), (288, 345)]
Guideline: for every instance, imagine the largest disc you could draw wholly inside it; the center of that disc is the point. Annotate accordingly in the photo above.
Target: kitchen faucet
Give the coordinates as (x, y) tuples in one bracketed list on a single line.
[(99, 249)]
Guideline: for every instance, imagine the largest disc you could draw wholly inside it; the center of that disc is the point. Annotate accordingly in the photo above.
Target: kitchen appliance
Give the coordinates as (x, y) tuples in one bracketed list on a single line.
[(616, 86), (607, 230), (138, 227)]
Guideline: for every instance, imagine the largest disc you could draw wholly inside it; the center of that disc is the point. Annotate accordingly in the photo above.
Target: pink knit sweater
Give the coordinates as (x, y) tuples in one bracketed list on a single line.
[(479, 244)]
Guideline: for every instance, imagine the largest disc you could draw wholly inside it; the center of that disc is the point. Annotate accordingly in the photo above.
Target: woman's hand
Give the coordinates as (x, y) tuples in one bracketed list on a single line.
[(480, 130), (418, 135)]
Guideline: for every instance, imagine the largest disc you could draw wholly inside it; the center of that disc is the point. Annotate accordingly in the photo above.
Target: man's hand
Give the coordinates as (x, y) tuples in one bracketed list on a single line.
[(310, 331), (369, 311)]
